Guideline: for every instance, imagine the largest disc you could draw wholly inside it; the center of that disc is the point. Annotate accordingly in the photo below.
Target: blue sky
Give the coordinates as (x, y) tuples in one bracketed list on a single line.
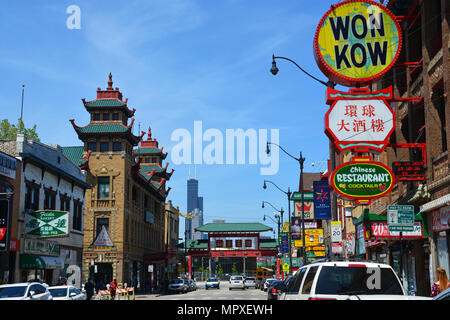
[(177, 61)]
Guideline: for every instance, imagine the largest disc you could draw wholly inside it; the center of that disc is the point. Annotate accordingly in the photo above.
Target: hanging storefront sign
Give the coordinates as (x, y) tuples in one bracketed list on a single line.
[(47, 223), (41, 247), (362, 179), (357, 42), (441, 219), (314, 237), (308, 211), (380, 230), (359, 120), (322, 200)]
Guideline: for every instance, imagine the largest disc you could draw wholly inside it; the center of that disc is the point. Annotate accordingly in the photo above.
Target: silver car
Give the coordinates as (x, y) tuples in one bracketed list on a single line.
[(24, 291), (250, 282), (237, 282)]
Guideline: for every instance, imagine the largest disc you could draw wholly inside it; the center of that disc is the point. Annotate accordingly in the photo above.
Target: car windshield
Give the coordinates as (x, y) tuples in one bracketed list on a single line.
[(212, 280), (12, 292), (357, 280), (58, 292), (176, 281)]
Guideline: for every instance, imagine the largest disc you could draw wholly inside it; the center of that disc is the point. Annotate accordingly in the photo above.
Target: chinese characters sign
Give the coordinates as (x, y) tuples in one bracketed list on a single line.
[(47, 223), (357, 42), (359, 120)]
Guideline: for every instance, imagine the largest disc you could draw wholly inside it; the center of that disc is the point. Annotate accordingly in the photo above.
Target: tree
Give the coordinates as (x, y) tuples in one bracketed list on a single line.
[(234, 269), (9, 131)]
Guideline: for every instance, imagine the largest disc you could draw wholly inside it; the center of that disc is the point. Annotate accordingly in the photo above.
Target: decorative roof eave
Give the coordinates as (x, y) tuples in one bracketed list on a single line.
[(161, 173), (137, 152), (126, 133), (84, 162), (129, 113), (155, 186)]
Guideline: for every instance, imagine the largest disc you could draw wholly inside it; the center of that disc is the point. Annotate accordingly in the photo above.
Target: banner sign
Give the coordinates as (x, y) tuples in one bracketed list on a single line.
[(308, 211), (357, 42), (359, 119), (362, 179), (380, 230), (322, 200), (284, 244), (47, 223)]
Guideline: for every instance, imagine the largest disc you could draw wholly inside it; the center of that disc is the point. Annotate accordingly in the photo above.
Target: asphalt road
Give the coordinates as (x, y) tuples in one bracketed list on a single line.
[(211, 294)]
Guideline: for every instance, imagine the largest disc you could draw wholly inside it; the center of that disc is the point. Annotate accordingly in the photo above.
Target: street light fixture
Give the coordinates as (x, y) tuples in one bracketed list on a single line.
[(275, 70), (288, 193), (281, 211), (300, 160)]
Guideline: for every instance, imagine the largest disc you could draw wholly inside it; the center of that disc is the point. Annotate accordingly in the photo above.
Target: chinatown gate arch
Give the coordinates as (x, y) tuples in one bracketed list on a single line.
[(228, 244)]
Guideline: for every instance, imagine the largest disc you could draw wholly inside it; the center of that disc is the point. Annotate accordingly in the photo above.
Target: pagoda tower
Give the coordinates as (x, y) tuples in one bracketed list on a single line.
[(124, 210)]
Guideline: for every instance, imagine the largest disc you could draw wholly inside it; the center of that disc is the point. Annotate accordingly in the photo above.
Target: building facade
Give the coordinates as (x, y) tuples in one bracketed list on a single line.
[(48, 181), (124, 212)]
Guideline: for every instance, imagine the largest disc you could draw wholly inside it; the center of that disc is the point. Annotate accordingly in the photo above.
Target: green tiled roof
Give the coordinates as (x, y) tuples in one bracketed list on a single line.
[(148, 169), (74, 154), (267, 243), (233, 227), (146, 150), (105, 103), (194, 244), (103, 128)]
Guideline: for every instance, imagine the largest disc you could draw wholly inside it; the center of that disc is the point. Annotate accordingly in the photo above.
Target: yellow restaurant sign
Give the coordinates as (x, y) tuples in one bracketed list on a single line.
[(314, 237), (356, 42)]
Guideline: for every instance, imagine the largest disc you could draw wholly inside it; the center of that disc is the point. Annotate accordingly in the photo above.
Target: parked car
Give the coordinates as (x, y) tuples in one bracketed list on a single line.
[(250, 282), (66, 293), (267, 283), (178, 285), (212, 283), (343, 280), (24, 291), (237, 282), (192, 285), (444, 295), (275, 289)]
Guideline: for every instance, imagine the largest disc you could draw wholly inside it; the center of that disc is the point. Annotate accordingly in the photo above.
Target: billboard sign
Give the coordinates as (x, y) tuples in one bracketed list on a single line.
[(47, 223), (362, 179), (359, 119), (322, 200), (357, 42)]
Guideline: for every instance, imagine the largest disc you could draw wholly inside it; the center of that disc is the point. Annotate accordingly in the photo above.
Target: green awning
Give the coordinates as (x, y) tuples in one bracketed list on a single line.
[(31, 261)]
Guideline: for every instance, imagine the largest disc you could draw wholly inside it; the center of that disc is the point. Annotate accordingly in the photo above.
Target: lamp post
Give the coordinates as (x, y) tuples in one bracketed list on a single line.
[(300, 160), (277, 222), (281, 211), (288, 193)]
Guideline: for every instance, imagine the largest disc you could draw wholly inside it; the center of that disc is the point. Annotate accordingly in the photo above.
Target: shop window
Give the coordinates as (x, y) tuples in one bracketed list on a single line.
[(248, 243), (92, 146), (103, 187), (49, 199), (117, 146), (104, 146), (77, 215)]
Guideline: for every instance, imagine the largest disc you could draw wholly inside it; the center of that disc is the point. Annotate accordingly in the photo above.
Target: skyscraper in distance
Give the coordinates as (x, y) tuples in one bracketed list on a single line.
[(194, 206)]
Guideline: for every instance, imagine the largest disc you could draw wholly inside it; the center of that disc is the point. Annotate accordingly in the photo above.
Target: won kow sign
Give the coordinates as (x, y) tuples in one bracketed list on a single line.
[(362, 179)]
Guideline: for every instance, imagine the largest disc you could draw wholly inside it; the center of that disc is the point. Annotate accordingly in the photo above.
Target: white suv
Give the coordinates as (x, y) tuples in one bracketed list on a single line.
[(343, 280), (237, 282), (24, 291)]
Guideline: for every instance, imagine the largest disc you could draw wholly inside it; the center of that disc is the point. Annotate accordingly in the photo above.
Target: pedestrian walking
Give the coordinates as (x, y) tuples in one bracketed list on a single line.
[(442, 284), (112, 289), (99, 285), (89, 287)]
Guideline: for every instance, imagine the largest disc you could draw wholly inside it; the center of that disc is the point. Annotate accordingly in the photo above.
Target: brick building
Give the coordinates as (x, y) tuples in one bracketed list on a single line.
[(124, 214)]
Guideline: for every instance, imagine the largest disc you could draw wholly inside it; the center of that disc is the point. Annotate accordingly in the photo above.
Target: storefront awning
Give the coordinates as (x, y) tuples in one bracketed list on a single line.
[(31, 261), (440, 202)]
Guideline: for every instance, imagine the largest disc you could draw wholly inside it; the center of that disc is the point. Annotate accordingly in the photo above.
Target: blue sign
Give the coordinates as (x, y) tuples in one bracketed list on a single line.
[(322, 200), (284, 244)]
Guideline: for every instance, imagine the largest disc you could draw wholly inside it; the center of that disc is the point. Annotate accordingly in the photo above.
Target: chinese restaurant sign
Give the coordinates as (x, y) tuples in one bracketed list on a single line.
[(357, 42), (47, 223), (359, 120), (362, 179)]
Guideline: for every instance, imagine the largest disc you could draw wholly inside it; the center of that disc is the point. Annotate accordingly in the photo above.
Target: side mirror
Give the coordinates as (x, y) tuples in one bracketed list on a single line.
[(72, 294), (31, 293)]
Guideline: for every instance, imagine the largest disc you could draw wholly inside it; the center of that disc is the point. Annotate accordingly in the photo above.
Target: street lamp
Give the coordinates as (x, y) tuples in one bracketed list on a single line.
[(288, 193), (274, 70), (281, 211), (277, 222), (300, 160)]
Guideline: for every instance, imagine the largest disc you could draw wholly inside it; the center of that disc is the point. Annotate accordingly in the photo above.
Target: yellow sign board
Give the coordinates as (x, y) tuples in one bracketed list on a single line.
[(286, 267), (314, 237), (356, 42)]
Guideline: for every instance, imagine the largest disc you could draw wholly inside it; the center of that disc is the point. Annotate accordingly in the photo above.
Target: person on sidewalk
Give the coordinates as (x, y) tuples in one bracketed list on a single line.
[(112, 289), (89, 287), (442, 284)]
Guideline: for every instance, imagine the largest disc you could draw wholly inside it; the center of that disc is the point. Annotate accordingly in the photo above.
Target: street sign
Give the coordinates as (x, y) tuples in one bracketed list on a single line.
[(336, 233), (400, 218)]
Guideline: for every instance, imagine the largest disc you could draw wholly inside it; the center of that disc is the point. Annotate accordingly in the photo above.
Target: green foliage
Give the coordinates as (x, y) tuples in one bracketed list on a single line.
[(234, 269), (9, 131), (220, 270)]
